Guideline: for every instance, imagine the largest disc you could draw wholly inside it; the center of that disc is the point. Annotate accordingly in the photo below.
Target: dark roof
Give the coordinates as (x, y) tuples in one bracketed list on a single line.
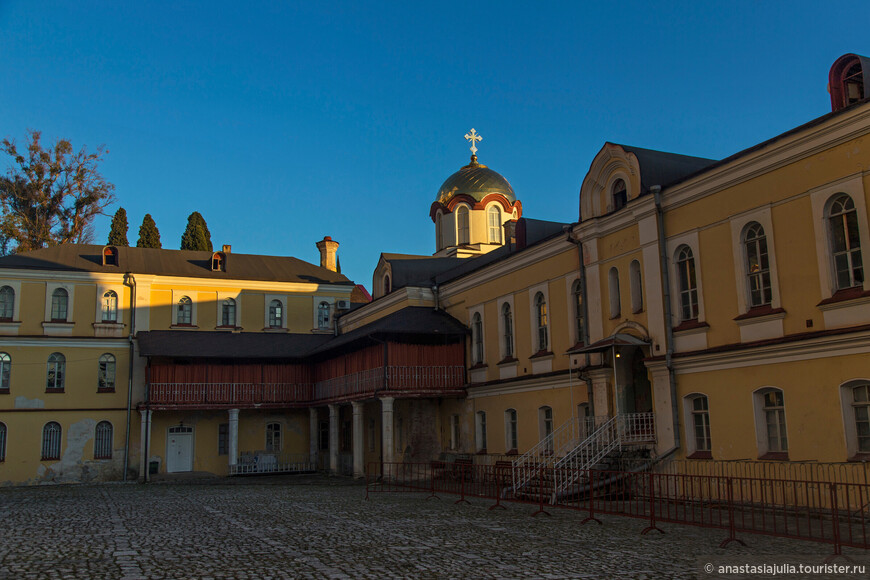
[(227, 345), (88, 258), (421, 321), (661, 168), (418, 321), (411, 270)]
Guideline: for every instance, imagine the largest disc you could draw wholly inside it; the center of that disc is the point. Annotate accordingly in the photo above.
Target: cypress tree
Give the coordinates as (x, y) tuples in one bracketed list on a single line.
[(196, 236), (118, 233), (149, 237)]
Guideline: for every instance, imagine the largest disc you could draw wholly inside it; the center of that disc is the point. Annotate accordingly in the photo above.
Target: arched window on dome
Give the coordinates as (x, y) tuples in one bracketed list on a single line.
[(438, 240), (463, 230), (618, 195), (493, 221)]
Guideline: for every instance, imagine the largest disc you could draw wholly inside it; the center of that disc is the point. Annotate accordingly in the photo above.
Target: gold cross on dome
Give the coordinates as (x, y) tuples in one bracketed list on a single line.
[(473, 137)]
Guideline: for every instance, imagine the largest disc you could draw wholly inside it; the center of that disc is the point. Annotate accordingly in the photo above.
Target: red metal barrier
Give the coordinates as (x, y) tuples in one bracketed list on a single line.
[(828, 512)]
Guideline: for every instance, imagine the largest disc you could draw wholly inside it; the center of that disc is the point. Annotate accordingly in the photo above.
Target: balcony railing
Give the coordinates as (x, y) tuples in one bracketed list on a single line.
[(413, 379), (228, 393)]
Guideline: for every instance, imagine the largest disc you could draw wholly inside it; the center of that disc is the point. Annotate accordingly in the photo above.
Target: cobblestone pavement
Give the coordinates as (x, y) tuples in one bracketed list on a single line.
[(319, 527)]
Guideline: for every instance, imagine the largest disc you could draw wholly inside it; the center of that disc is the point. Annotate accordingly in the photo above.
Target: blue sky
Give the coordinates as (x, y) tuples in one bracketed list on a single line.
[(285, 122)]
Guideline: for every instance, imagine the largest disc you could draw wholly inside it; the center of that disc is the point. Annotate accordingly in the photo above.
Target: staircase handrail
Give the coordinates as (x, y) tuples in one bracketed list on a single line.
[(588, 453)]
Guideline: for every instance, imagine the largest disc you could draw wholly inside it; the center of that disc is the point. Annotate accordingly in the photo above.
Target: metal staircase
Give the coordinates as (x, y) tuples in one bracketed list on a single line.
[(556, 445)]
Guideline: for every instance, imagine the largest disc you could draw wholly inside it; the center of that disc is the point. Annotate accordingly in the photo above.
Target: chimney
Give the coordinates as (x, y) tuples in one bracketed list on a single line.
[(227, 248), (328, 249)]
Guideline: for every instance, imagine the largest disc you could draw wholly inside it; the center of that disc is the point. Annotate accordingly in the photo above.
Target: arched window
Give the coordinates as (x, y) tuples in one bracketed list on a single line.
[(508, 324), (493, 220), (219, 262), (845, 243), (59, 305), (51, 441), (110, 256), (480, 431), (688, 285), (273, 437), (477, 338), (110, 307), (618, 194), (757, 265), (636, 286), (276, 314), (7, 303), (106, 372), (510, 430), (2, 442), (387, 287), (103, 438), (463, 233), (615, 306), (846, 82), (545, 427), (56, 372), (5, 371), (438, 240), (323, 315), (228, 312), (184, 314), (542, 320), (577, 303)]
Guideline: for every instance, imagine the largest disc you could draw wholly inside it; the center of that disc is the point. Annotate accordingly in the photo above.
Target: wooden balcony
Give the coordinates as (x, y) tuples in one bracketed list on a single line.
[(394, 381)]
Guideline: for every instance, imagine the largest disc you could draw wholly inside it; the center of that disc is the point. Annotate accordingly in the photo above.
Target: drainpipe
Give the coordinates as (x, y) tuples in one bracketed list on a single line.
[(130, 281), (669, 328), (585, 306)]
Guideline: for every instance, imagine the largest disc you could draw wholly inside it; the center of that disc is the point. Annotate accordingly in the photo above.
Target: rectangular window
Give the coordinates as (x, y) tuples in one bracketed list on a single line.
[(273, 437), (324, 435), (454, 432), (774, 415), (400, 440), (346, 436), (224, 439), (371, 434), (701, 423)]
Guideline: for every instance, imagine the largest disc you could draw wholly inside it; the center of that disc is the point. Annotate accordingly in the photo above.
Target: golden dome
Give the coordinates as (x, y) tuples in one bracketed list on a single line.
[(476, 181)]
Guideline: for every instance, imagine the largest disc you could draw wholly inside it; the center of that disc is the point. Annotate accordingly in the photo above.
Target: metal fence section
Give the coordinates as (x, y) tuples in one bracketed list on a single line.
[(820, 511), (259, 462)]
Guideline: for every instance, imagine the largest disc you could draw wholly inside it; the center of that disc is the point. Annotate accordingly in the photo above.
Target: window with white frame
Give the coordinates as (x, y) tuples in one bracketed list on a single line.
[(542, 321), (855, 397), (480, 430), (106, 379), (109, 308), (5, 371), (545, 427), (184, 312), (510, 429), (59, 305), (273, 437), (51, 433), (688, 284), (770, 421), (276, 314), (636, 286), (493, 220), (323, 315), (103, 437), (577, 304), (507, 330), (228, 312), (463, 230), (757, 265), (477, 338), (845, 242), (613, 282), (699, 410), (7, 303), (454, 432), (56, 372), (2, 442)]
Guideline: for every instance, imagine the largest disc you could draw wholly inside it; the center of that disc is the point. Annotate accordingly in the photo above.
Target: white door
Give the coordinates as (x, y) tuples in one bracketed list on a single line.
[(179, 449)]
